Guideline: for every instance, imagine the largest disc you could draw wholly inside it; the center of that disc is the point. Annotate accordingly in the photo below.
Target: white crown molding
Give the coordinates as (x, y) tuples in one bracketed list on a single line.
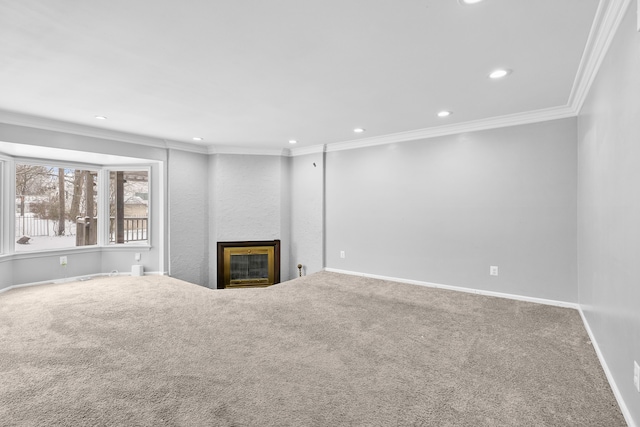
[(248, 151), (43, 123), (605, 25), (528, 117), (607, 20), (185, 146), (303, 151), (608, 17)]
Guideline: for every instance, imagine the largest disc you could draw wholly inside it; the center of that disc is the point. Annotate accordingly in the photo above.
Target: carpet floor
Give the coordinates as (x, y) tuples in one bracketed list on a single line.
[(321, 350)]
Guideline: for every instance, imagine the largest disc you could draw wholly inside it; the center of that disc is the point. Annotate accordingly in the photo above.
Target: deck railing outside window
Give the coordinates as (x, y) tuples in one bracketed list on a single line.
[(135, 229)]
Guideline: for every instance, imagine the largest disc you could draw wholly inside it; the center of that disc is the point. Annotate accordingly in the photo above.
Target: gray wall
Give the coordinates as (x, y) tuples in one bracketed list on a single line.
[(37, 267), (6, 273), (47, 138), (248, 203), (189, 216), (609, 209), (443, 210), (43, 268), (307, 206)]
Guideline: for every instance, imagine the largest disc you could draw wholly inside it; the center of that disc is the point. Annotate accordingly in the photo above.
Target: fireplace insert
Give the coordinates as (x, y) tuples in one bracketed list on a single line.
[(248, 264)]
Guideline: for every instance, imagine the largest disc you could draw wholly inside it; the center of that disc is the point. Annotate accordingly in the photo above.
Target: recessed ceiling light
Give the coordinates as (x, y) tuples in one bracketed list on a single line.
[(444, 113), (197, 138), (359, 130), (466, 2), (499, 73), (101, 118), (293, 141)]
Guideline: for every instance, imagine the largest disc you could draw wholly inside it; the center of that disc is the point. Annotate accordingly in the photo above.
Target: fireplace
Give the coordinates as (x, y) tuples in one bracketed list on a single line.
[(248, 264)]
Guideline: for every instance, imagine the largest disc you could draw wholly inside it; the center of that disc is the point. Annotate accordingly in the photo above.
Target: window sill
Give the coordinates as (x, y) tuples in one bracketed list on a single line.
[(75, 250), (126, 247)]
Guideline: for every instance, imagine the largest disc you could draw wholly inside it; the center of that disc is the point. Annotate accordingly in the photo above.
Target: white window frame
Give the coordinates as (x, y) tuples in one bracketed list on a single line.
[(47, 163), (104, 229), (8, 205), (3, 191), (7, 187)]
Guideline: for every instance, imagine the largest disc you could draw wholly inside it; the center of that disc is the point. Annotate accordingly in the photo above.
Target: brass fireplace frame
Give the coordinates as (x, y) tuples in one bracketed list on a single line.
[(226, 249)]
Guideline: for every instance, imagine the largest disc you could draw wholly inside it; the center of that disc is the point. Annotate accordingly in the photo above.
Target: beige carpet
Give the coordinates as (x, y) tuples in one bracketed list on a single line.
[(323, 350)]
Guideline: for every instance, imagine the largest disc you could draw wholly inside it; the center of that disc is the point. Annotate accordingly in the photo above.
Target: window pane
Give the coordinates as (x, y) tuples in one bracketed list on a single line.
[(128, 207), (56, 207)]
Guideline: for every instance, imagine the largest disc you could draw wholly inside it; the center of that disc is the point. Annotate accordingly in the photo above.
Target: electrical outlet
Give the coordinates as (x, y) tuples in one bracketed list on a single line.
[(342, 255), (636, 376), (493, 270), (63, 261), (137, 256)]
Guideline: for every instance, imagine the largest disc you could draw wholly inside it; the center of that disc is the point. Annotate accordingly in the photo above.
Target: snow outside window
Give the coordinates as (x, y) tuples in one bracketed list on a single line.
[(56, 207), (129, 207)]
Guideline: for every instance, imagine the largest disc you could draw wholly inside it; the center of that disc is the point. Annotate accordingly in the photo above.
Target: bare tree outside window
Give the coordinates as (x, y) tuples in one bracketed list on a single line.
[(29, 181), (55, 207)]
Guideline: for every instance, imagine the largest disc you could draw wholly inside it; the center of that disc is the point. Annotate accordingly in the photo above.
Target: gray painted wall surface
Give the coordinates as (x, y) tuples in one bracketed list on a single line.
[(6, 273), (69, 141), (248, 203), (307, 200), (42, 266), (213, 231), (189, 216), (445, 209), (285, 218), (609, 209)]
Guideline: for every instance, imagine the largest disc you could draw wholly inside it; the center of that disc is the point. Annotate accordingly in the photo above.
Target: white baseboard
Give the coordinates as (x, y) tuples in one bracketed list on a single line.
[(614, 387), (616, 392), (461, 289), (80, 279), (55, 281), (156, 273)]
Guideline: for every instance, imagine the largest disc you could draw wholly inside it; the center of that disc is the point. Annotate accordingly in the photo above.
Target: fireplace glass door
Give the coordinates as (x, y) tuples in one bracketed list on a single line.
[(248, 266)]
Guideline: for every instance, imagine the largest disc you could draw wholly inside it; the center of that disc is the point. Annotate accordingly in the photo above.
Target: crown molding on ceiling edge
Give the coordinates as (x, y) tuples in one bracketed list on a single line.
[(303, 151), (248, 151), (529, 117), (185, 146), (608, 17), (19, 119)]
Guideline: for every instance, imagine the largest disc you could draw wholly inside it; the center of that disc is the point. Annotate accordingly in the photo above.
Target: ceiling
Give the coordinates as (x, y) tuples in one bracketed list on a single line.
[(256, 74)]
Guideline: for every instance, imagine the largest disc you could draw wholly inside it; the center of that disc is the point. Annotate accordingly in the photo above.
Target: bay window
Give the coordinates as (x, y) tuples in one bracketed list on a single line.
[(53, 205), (56, 207)]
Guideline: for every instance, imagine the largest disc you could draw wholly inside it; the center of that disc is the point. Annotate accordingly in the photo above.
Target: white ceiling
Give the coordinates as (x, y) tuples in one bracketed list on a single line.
[(256, 73)]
